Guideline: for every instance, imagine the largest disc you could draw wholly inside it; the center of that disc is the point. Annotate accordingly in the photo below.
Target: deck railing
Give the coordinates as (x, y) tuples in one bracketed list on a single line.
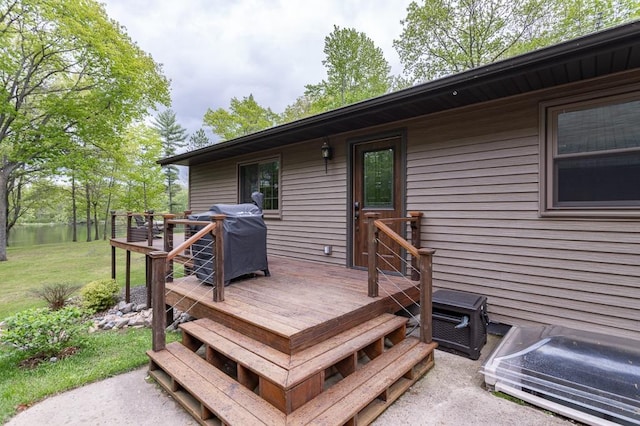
[(161, 266), (138, 227), (421, 262)]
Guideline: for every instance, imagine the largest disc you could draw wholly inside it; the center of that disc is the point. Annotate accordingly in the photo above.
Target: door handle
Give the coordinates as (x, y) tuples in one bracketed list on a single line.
[(356, 210)]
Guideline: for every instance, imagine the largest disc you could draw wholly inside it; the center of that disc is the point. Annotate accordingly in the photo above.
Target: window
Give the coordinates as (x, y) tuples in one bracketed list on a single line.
[(263, 176), (593, 155), (378, 179)]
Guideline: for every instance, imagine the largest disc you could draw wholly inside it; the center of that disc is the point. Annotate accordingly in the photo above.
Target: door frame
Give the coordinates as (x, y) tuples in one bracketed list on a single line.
[(402, 169)]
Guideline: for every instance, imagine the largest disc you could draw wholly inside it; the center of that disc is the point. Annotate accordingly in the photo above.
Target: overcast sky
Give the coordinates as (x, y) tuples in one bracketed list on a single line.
[(213, 50)]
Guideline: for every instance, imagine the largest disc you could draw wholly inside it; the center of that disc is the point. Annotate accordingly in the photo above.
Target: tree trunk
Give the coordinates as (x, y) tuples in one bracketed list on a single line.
[(96, 236), (4, 206), (14, 210), (74, 210), (5, 171), (107, 214), (88, 213), (144, 196)]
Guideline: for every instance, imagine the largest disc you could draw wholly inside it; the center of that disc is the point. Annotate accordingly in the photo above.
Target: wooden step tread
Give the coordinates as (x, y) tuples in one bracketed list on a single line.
[(227, 399), (289, 370), (237, 352), (344, 400), (359, 335)]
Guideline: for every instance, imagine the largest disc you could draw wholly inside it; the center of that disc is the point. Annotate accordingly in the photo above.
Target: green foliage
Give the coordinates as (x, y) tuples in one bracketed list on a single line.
[(356, 70), (56, 295), (141, 178), (173, 136), (43, 331), (243, 117), (103, 355), (71, 77), (442, 37), (100, 294), (198, 140), (76, 263)]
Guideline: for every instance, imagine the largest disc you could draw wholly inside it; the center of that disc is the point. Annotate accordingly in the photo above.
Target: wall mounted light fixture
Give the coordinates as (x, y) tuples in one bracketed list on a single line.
[(327, 153)]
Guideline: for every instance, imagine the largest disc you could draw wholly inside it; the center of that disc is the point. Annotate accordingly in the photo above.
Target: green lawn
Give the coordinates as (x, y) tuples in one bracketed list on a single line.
[(79, 263), (102, 354)]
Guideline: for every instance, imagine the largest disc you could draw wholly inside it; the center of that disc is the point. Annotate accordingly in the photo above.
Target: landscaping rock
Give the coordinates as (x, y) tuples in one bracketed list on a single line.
[(127, 308), (133, 314), (122, 322)]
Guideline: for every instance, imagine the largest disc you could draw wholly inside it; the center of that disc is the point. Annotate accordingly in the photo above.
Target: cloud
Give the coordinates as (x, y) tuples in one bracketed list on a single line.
[(215, 50)]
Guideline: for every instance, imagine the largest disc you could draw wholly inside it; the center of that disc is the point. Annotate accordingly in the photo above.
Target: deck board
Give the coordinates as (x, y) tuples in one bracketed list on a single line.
[(301, 302)]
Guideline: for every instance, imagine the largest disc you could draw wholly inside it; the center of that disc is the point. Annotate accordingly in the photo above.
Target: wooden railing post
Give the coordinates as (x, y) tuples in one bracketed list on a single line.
[(159, 321), (129, 233), (218, 257), (149, 216), (113, 248), (372, 253), (127, 277), (168, 242), (426, 289), (415, 241), (187, 234)]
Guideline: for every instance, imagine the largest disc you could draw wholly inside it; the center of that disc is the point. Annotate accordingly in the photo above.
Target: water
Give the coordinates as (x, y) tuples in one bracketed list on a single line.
[(48, 233)]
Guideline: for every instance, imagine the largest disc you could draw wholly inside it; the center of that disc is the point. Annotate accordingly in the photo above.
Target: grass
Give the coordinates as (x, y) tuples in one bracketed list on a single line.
[(102, 355), (29, 268)]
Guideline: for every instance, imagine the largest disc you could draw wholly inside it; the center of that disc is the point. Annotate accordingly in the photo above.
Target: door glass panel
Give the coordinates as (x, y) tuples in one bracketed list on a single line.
[(378, 178)]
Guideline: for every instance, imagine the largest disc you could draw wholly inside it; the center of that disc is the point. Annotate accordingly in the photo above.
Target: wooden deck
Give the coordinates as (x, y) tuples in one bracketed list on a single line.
[(304, 346), (300, 304)]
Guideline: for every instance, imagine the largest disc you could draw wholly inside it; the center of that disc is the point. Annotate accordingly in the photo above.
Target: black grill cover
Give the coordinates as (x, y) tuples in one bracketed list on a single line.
[(245, 242)]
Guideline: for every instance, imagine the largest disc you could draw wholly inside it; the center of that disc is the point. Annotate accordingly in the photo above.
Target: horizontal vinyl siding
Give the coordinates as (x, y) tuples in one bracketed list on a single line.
[(212, 183), (312, 211), (477, 186), (313, 205)]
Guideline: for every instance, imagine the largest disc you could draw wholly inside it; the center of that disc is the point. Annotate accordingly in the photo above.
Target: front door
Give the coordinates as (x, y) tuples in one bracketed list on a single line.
[(377, 187)]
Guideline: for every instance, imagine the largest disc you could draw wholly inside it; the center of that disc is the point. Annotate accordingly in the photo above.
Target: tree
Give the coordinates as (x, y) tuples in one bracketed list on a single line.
[(173, 136), (67, 73), (301, 108), (243, 117), (356, 70), (141, 177), (198, 140), (442, 37)]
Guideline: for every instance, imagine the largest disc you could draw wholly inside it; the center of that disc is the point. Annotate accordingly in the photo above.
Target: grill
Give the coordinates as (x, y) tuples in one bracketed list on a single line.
[(460, 322), (245, 243)]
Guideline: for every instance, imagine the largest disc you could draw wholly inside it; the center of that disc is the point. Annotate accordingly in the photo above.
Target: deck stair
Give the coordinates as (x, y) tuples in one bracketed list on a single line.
[(222, 376)]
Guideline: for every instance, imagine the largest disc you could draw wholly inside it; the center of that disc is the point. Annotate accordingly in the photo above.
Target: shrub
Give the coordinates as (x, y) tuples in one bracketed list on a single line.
[(56, 295), (100, 294), (43, 331)]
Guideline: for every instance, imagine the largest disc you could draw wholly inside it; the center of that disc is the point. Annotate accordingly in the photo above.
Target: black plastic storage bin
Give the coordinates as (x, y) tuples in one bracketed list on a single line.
[(460, 322)]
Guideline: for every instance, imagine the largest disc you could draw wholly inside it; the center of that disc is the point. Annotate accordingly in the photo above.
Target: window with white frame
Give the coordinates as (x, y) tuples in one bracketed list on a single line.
[(593, 155), (262, 176)]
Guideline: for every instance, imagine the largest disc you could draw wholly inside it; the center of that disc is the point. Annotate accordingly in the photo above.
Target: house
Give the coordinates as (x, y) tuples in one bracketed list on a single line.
[(527, 172)]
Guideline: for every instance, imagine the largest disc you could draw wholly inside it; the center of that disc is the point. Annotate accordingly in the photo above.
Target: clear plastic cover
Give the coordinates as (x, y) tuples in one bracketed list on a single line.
[(590, 373)]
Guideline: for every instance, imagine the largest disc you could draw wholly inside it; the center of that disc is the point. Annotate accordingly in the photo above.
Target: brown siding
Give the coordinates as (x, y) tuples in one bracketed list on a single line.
[(475, 174), (313, 204), (313, 209), (212, 183), (477, 185)]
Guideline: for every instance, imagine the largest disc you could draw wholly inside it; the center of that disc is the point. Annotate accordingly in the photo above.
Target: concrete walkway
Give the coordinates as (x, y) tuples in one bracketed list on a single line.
[(451, 393)]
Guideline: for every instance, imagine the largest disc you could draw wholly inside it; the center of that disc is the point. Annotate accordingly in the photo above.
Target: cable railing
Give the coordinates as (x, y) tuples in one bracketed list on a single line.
[(419, 261), (201, 254), (136, 227)]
